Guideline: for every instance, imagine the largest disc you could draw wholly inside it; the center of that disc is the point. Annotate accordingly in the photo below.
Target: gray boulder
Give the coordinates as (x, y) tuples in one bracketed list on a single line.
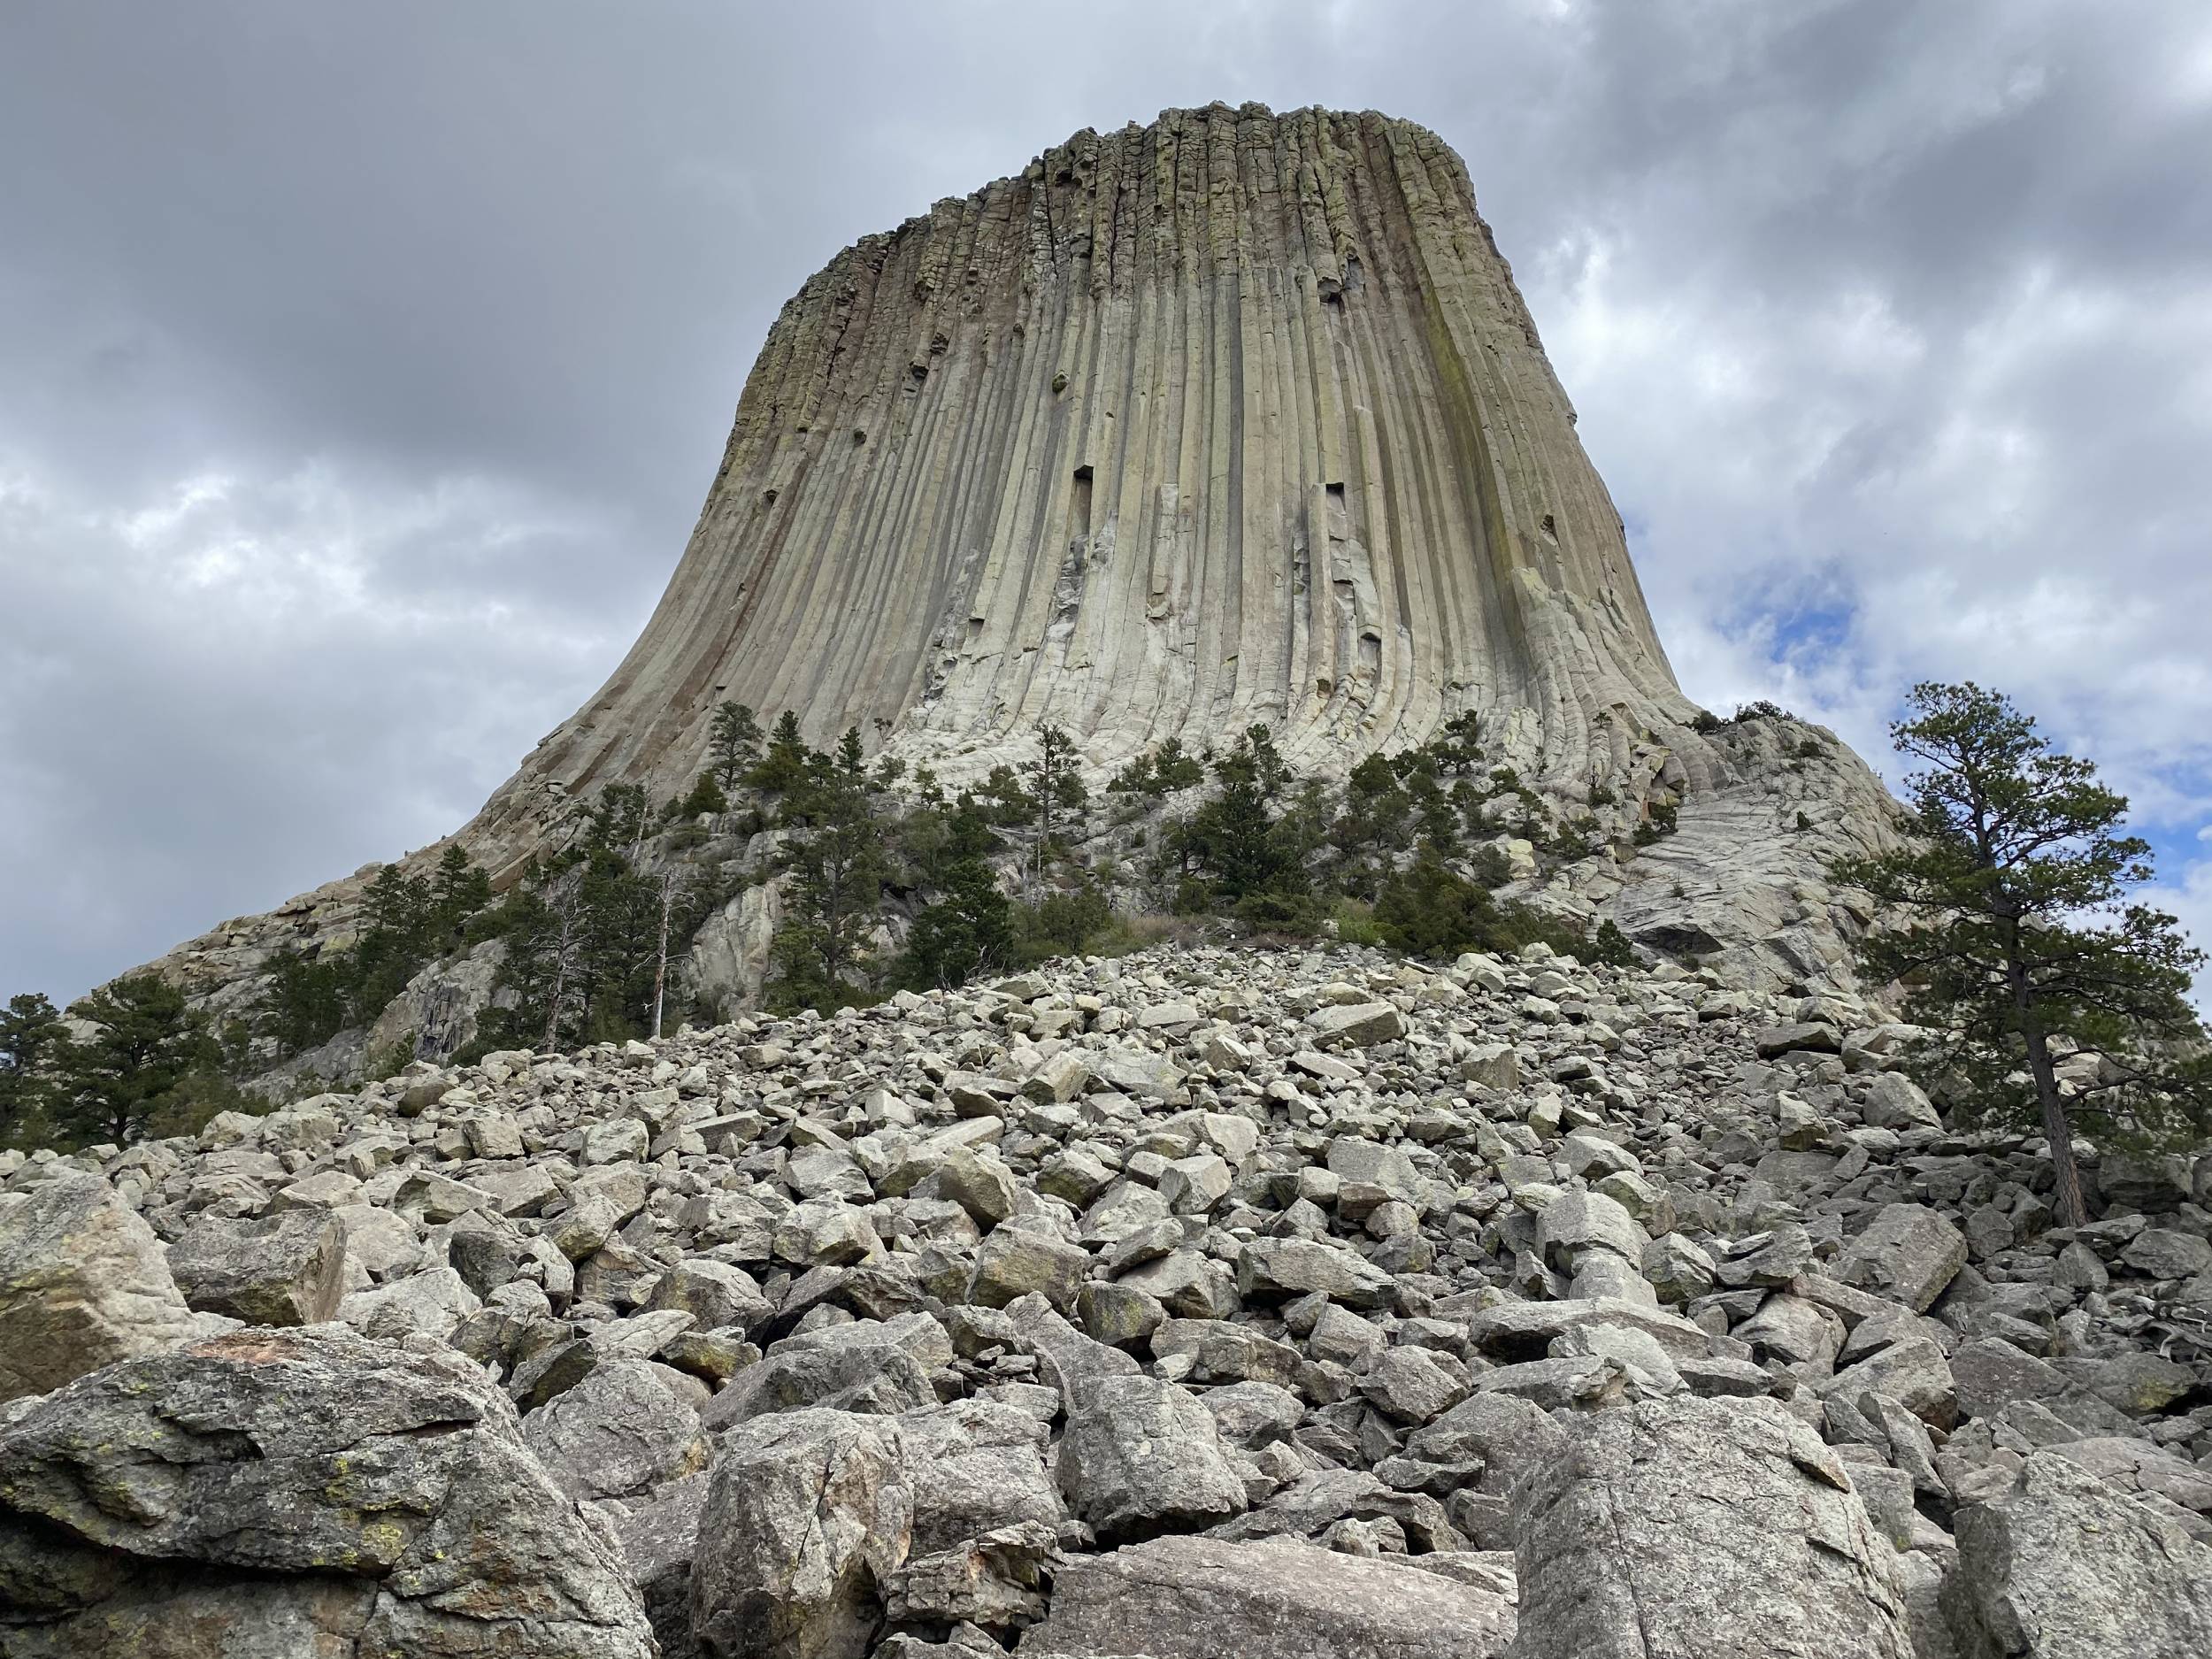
[(808, 1514), (716, 1294), (871, 1378), (2063, 1567), (1360, 1025), (1012, 1265), (1142, 1456), (659, 1537), (83, 1282), (1909, 1254), (1583, 1221), (2152, 1182), (298, 1492), (1276, 1268), (975, 1467), (619, 1432), (1204, 1597), (286, 1270), (1722, 1529), (1991, 1374)]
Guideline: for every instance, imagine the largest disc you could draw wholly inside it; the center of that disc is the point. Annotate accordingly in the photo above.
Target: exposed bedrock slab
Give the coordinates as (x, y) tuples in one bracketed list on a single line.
[(1700, 1529)]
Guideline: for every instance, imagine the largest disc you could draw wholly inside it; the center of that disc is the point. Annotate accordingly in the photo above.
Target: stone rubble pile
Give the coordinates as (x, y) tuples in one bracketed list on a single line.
[(1196, 1304)]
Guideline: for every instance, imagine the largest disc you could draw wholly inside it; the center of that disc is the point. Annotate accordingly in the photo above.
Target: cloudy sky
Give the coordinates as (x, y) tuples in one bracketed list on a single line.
[(362, 368)]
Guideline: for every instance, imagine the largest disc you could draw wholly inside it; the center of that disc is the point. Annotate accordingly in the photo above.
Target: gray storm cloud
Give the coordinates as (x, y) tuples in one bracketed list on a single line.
[(361, 369)]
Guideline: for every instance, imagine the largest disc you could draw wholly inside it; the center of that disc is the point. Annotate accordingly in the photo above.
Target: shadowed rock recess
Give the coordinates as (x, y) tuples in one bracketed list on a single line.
[(1232, 419), (1199, 1304)]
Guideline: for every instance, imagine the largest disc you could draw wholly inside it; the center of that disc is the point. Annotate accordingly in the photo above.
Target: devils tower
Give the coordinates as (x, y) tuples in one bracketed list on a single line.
[(1232, 419)]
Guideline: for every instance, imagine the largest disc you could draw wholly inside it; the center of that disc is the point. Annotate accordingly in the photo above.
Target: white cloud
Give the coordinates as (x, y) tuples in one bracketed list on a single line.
[(247, 686)]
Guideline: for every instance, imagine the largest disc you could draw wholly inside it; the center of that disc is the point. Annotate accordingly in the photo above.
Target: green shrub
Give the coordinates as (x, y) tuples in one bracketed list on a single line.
[(1355, 923)]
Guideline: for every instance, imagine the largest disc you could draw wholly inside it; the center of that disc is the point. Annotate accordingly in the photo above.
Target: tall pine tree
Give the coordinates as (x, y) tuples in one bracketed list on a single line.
[(2019, 947), (148, 1042)]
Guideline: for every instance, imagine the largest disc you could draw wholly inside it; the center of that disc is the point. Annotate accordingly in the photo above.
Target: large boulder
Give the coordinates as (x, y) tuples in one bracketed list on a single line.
[(875, 1378), (288, 1269), (1909, 1254), (620, 1432), (975, 1466), (83, 1282), (808, 1514), (1990, 1374), (1202, 1597), (296, 1492), (659, 1538), (1717, 1529), (1360, 1025), (1142, 1456), (1279, 1269), (2063, 1567)]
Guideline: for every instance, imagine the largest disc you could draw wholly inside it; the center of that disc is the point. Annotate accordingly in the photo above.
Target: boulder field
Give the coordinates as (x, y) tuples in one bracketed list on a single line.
[(1199, 1304)]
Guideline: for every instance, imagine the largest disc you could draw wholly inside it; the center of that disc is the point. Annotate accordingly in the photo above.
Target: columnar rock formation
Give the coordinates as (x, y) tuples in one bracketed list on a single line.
[(1233, 418)]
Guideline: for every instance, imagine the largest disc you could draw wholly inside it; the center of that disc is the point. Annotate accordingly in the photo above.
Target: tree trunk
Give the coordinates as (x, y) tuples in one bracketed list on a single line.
[(2071, 1211), (660, 964), (563, 942)]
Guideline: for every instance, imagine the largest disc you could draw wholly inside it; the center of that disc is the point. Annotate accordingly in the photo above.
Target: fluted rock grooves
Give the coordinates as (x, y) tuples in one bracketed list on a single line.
[(1233, 418)]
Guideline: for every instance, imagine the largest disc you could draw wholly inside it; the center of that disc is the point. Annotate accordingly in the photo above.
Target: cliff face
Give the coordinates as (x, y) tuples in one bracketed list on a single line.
[(1233, 418)]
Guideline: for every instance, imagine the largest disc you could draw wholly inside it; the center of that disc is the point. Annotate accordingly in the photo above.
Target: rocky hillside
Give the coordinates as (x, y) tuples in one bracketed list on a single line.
[(1196, 1305)]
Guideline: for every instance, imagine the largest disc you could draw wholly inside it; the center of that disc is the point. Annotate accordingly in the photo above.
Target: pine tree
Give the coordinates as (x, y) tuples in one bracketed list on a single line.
[(547, 930), (850, 761), (969, 929), (1055, 785), (395, 929), (308, 999), (1458, 747), (733, 746), (2017, 937), (148, 1042), (837, 866), (459, 889), (1174, 768), (1234, 837), (784, 767), (1372, 828), (32, 1038)]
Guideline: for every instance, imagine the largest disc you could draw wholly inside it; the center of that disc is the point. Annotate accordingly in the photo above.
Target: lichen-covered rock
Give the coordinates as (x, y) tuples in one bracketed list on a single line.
[(1142, 1456), (1700, 1529), (1360, 1026), (876, 1379), (2063, 1567), (1202, 1597), (1275, 1268), (83, 1282), (297, 1491), (619, 1431), (287, 1270), (807, 1514), (977, 1466)]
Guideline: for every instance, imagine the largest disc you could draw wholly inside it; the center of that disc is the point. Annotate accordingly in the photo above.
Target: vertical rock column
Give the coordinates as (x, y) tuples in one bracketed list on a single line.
[(1231, 418)]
